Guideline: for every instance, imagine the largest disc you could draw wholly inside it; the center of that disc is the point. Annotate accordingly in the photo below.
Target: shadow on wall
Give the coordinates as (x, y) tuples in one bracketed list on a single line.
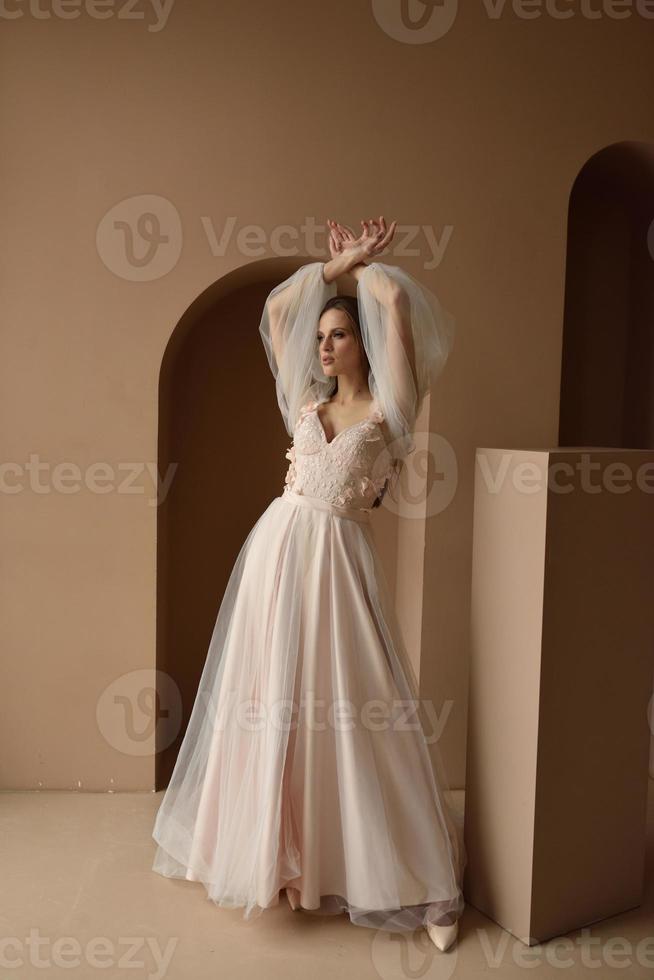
[(607, 371), (219, 423)]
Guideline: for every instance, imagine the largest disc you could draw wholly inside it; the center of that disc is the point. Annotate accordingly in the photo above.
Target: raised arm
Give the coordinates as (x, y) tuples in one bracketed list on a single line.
[(407, 333), (395, 301), (391, 297), (282, 300), (275, 306), (288, 330)]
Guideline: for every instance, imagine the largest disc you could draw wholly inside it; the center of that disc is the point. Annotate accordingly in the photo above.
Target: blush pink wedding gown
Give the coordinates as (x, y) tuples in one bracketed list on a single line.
[(304, 764)]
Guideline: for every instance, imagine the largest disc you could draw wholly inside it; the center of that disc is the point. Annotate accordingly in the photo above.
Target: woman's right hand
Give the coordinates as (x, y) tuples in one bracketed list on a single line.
[(373, 239)]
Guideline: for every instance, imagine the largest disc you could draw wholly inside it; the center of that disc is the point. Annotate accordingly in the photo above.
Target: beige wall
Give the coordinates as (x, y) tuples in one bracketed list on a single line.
[(267, 114)]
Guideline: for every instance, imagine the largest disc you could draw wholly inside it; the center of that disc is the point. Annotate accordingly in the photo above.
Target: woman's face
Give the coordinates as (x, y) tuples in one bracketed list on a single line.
[(338, 346)]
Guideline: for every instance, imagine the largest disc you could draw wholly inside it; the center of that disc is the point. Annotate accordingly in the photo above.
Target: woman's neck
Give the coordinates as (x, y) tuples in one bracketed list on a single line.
[(350, 390)]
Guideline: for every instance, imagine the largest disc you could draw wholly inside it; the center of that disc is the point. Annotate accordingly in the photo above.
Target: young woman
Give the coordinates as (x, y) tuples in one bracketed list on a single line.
[(304, 765)]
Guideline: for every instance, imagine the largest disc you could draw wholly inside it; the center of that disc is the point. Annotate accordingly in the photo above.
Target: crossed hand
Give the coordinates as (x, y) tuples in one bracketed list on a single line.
[(373, 239)]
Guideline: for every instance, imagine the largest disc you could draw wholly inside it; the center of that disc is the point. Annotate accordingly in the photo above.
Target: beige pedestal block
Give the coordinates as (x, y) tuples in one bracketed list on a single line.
[(562, 653)]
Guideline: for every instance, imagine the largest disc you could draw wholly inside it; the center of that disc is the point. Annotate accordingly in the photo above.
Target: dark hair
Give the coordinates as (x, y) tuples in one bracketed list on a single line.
[(350, 306)]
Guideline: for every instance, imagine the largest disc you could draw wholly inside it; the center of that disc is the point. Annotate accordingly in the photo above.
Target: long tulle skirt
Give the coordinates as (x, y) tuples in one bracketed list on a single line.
[(304, 763)]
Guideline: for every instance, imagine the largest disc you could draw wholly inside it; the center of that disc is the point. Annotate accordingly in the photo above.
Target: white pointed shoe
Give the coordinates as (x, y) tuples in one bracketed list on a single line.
[(293, 896), (443, 937)]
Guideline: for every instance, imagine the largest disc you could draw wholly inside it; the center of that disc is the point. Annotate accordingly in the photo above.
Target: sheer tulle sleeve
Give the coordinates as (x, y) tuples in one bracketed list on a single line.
[(288, 328), (408, 336)]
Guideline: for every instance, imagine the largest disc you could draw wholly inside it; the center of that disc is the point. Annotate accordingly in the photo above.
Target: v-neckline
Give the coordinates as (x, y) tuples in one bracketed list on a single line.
[(330, 442)]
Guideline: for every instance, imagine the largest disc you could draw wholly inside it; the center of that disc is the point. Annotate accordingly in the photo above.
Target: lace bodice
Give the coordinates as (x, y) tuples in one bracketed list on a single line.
[(349, 471)]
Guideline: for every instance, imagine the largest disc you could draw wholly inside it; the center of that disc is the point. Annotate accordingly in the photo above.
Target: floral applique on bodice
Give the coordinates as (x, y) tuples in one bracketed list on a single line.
[(349, 471)]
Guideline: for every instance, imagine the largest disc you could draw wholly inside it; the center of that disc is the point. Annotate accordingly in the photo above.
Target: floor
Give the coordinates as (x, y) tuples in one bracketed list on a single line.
[(79, 898)]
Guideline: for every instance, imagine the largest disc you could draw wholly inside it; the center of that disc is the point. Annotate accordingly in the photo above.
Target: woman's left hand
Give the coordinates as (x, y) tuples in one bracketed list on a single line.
[(335, 240), (373, 240)]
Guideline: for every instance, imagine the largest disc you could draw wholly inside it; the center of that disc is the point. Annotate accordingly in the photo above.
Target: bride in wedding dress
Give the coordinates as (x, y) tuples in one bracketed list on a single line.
[(304, 765)]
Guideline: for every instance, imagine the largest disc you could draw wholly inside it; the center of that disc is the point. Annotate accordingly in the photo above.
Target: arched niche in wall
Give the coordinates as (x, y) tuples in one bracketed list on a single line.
[(222, 437), (607, 370), (221, 430), (607, 391)]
